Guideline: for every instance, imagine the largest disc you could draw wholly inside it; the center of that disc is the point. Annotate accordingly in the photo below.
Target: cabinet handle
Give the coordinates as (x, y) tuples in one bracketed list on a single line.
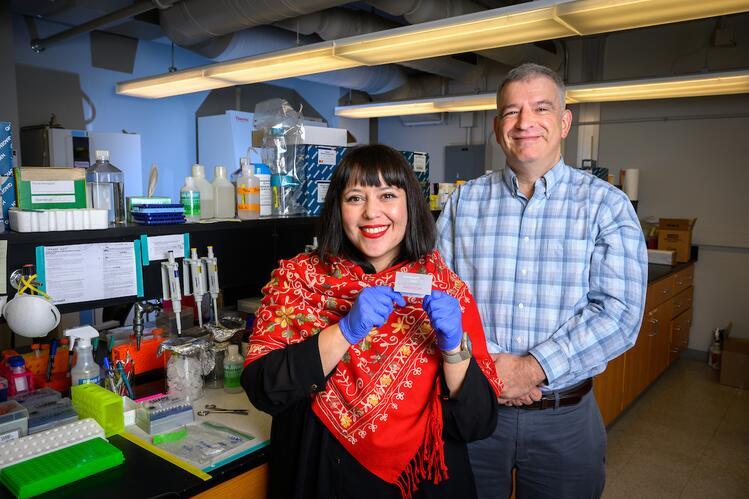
[(680, 283), (665, 291), (675, 350), (677, 329)]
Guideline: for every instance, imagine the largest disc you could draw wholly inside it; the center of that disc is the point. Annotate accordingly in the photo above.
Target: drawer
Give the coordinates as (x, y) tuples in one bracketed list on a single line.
[(680, 328), (682, 301), (659, 292), (683, 279)]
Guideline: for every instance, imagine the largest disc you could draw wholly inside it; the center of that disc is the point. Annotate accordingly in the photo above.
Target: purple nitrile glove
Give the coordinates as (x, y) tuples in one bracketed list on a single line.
[(447, 320), (371, 309)]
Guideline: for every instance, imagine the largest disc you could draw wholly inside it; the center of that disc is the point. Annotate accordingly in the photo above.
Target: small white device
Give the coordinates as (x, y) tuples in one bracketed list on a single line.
[(193, 274), (170, 287), (408, 283), (211, 263)]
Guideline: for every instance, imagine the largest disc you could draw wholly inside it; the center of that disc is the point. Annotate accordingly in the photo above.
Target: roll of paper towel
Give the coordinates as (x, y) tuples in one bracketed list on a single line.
[(630, 180)]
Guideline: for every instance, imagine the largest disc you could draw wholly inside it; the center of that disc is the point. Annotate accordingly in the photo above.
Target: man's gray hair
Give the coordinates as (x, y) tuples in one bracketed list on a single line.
[(528, 71)]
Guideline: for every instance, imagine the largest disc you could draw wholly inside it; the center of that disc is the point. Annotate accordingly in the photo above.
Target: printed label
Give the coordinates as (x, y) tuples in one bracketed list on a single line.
[(420, 163), (322, 190), (326, 156), (52, 187), (52, 199), (232, 375), (191, 202), (11, 435), (83, 381)]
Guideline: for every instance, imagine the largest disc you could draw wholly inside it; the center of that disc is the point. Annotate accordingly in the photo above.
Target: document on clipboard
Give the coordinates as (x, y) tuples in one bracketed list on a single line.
[(87, 272)]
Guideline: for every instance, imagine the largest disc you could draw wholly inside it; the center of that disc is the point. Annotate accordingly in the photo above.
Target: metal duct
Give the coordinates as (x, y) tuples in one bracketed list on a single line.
[(333, 24), (195, 21), (419, 11)]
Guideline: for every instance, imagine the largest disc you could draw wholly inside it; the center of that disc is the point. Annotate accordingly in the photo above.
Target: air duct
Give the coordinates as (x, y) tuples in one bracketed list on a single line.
[(195, 21)]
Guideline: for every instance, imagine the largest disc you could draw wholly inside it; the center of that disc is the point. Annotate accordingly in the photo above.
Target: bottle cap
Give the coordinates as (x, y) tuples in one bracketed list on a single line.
[(220, 171), (101, 155), (189, 181), (16, 361), (198, 170)]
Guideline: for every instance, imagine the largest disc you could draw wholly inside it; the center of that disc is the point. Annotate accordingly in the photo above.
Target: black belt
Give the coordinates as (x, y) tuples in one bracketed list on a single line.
[(567, 397)]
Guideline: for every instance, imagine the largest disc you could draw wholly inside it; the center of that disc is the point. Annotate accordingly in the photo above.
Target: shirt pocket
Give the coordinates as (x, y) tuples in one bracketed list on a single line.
[(565, 263)]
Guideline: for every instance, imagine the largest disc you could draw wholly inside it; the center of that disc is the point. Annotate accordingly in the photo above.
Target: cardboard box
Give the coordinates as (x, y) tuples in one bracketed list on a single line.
[(662, 257), (734, 362), (676, 234), (7, 183), (40, 188), (316, 165), (313, 195)]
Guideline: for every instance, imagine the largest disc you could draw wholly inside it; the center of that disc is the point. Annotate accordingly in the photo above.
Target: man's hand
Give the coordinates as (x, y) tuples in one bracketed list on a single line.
[(521, 377)]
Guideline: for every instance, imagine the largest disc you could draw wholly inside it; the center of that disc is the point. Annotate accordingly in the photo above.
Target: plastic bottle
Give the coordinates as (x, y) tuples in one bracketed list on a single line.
[(17, 369), (106, 184), (233, 364), (206, 192), (262, 172), (189, 196), (223, 195), (248, 195), (85, 369), (238, 172)]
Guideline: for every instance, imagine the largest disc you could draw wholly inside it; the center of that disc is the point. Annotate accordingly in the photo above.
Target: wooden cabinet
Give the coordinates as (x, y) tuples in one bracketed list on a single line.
[(663, 335)]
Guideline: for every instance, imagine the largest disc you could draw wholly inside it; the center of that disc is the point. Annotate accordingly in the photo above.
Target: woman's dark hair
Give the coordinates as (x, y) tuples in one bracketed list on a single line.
[(364, 165)]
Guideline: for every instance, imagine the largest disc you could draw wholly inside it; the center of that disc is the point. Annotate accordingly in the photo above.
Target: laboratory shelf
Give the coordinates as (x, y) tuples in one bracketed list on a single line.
[(247, 250)]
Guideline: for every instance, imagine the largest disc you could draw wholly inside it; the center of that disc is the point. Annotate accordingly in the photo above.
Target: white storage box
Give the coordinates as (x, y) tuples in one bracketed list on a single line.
[(56, 220)]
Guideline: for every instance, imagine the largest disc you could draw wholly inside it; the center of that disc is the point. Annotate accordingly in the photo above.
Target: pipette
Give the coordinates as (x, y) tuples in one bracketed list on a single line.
[(212, 263), (170, 288), (193, 267)]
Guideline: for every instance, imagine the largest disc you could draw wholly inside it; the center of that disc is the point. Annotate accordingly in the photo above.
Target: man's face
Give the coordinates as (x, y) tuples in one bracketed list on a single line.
[(531, 123)]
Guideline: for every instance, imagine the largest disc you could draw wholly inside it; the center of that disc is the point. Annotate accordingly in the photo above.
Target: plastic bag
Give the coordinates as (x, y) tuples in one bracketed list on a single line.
[(282, 129), (205, 443)]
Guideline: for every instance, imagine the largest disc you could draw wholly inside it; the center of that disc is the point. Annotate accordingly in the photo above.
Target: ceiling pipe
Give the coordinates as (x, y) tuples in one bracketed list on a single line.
[(333, 24), (196, 21), (116, 17)]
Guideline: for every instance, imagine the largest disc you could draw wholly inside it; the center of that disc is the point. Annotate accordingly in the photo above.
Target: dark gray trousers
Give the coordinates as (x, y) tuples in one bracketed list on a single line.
[(558, 453)]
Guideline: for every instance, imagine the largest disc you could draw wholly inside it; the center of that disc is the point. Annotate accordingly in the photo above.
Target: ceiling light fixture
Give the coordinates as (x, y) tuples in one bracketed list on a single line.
[(730, 82), (513, 25)]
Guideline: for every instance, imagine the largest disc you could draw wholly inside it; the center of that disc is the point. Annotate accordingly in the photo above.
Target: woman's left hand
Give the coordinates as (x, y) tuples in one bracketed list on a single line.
[(447, 320)]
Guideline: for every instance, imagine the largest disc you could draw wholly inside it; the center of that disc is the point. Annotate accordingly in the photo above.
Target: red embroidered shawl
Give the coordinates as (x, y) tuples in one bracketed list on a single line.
[(382, 400)]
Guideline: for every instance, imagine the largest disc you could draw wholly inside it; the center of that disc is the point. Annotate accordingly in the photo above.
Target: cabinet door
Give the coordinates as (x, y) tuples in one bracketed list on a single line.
[(636, 362), (608, 388), (661, 332)]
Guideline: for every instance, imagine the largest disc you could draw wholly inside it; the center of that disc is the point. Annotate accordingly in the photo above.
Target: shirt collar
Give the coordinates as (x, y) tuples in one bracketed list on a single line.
[(549, 180)]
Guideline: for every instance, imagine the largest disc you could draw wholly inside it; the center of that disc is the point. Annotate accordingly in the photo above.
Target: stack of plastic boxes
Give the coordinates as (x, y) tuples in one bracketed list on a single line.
[(6, 171), (318, 164)]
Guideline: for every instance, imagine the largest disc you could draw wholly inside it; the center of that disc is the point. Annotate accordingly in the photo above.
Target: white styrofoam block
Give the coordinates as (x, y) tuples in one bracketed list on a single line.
[(662, 257), (44, 442), (54, 220)]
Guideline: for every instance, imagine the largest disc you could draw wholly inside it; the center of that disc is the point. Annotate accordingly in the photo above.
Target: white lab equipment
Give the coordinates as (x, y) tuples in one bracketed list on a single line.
[(224, 138), (193, 276), (206, 192), (31, 316), (211, 263), (170, 288), (85, 369)]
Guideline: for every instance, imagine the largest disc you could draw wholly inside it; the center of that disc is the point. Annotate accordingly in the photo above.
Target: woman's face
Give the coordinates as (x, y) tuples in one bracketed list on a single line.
[(374, 219)]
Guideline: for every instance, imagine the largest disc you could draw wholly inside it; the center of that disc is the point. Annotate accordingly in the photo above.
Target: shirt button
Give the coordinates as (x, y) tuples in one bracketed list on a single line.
[(526, 239), (520, 305), (313, 387), (523, 271), (518, 340), (338, 460)]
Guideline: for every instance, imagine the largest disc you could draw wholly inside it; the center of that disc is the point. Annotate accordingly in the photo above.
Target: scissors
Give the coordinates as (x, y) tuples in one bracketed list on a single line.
[(212, 409)]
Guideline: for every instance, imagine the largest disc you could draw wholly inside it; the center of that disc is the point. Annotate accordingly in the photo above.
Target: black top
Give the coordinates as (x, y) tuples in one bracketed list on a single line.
[(306, 460)]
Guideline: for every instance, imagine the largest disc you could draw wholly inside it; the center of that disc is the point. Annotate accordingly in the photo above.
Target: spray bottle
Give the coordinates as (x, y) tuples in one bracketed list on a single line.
[(85, 369)]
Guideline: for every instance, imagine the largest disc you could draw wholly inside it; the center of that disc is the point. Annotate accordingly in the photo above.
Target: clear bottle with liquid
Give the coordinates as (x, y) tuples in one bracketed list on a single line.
[(206, 191), (224, 197), (189, 196), (233, 365), (106, 186), (248, 195)]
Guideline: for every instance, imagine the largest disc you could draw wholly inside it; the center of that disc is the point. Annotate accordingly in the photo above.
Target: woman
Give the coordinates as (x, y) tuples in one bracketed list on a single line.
[(371, 392)]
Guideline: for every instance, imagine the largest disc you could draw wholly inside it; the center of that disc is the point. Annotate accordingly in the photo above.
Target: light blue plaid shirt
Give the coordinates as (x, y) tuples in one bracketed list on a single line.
[(561, 276)]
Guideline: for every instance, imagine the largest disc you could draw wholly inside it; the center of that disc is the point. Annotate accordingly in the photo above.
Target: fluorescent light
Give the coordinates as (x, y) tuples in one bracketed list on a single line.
[(731, 82), (524, 23), (299, 61), (513, 25), (177, 83)]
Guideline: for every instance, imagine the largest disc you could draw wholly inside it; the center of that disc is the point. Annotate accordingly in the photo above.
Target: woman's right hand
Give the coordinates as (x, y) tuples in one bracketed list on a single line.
[(371, 309)]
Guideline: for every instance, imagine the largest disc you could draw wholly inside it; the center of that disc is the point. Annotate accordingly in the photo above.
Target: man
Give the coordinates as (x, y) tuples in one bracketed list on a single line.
[(557, 263)]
